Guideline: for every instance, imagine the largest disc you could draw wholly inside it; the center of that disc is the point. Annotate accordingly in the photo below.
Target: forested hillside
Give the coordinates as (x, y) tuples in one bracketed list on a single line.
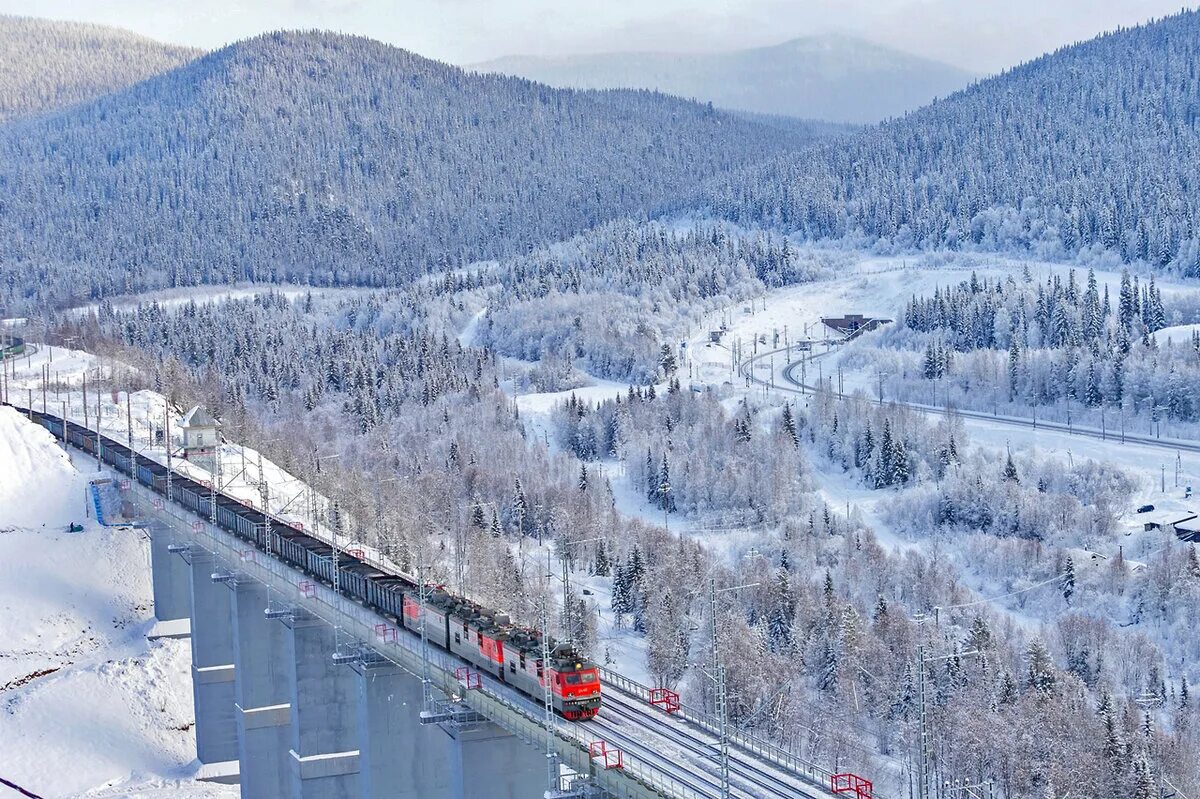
[(611, 299), (47, 65), (330, 159), (1094, 147), (835, 78)]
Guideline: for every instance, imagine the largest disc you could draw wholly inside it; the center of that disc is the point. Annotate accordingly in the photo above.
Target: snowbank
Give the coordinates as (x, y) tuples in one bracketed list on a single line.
[(90, 708), (38, 485)]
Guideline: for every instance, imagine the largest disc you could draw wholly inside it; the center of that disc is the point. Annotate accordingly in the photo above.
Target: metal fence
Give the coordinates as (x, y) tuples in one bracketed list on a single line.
[(759, 747)]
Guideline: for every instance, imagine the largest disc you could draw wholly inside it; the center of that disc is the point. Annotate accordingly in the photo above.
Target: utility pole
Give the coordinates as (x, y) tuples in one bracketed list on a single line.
[(547, 695), (263, 488), (566, 581), (426, 683), (718, 676), (923, 764), (129, 431), (167, 443), (722, 714), (214, 480), (99, 462), (337, 572)]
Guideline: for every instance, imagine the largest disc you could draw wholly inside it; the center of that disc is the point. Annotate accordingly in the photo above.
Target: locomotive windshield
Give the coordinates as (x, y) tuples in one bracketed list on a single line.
[(581, 679)]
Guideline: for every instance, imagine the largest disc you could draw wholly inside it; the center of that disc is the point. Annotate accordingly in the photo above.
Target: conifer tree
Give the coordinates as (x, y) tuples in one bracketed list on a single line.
[(1068, 580)]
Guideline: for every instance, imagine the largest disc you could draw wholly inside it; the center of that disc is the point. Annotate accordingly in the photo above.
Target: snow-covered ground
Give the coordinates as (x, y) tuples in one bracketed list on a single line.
[(243, 472), (875, 287), (881, 287), (89, 706), (1178, 333), (201, 294)]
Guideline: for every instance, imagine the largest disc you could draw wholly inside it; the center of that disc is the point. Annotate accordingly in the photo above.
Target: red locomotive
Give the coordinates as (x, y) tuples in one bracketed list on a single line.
[(511, 654)]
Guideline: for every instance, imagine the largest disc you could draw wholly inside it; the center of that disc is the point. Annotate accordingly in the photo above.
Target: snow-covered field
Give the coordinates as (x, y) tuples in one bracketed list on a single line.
[(201, 294), (88, 706), (881, 287), (875, 287)]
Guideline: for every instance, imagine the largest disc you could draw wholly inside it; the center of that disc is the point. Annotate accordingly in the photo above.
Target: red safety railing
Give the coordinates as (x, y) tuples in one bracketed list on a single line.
[(666, 698), (605, 757), (468, 679), (851, 785)]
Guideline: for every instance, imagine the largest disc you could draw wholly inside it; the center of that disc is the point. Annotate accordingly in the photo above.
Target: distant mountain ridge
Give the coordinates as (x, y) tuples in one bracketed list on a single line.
[(47, 65), (832, 78), (1091, 151), (330, 159)]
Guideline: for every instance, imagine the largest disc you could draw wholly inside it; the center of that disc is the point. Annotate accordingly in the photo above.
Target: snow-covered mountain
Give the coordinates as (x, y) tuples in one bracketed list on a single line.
[(333, 159), (47, 65), (832, 77), (1093, 147)]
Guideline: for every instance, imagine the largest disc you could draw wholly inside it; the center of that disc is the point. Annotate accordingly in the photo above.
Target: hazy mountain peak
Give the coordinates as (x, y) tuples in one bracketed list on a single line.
[(1090, 149), (338, 159), (832, 76), (46, 65)]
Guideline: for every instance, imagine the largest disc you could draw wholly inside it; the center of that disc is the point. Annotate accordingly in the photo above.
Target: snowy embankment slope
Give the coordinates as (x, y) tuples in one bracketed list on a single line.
[(88, 706)]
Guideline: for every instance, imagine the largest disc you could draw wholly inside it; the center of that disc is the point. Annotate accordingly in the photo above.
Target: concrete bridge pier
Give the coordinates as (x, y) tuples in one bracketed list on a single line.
[(171, 584), (400, 758), (261, 693), (487, 762), (212, 667), (324, 713)]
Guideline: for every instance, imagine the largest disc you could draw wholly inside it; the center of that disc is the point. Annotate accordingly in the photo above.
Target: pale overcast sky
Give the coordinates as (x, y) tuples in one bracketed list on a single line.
[(981, 35)]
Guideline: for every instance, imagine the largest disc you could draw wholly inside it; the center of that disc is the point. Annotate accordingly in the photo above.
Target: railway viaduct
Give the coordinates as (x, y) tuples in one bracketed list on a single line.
[(302, 692), (291, 703)]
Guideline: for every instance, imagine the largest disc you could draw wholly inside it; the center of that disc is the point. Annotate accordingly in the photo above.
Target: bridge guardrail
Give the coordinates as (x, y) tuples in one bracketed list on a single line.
[(765, 750)]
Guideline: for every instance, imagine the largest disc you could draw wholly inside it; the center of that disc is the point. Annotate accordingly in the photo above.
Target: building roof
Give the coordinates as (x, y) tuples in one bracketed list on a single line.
[(198, 417), (1164, 518)]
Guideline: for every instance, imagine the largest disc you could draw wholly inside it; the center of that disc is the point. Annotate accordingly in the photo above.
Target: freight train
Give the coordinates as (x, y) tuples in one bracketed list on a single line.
[(481, 636)]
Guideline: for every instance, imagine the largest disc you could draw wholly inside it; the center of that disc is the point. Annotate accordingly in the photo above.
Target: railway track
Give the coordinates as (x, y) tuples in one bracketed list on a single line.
[(796, 386), (756, 781)]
